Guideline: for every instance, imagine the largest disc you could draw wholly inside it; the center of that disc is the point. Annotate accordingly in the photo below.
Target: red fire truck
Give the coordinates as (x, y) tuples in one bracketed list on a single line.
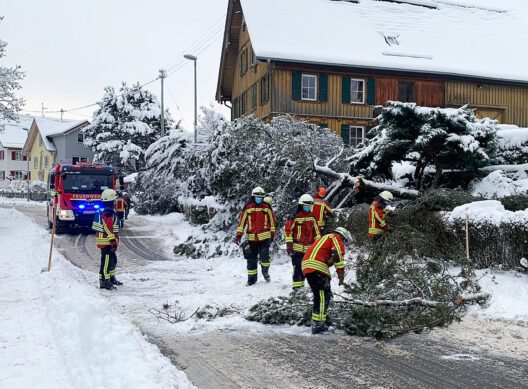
[(75, 192)]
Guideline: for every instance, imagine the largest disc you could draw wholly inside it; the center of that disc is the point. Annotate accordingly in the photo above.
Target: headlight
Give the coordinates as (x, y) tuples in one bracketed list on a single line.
[(65, 214)]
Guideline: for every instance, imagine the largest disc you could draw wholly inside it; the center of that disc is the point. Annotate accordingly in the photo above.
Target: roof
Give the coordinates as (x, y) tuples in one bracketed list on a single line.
[(445, 37), (51, 127), (15, 132)]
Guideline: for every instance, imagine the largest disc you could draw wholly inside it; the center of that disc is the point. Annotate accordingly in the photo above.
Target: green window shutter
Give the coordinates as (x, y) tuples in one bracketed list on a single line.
[(371, 91), (345, 133), (346, 89), (323, 87), (296, 85)]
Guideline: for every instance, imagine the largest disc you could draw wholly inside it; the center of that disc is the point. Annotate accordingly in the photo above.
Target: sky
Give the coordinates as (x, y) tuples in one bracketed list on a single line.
[(71, 49)]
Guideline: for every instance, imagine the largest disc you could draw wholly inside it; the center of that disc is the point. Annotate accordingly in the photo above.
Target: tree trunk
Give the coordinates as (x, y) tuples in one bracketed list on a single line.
[(438, 172)]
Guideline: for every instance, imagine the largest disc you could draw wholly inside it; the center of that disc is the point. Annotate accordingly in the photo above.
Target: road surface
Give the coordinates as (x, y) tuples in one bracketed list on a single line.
[(222, 359)]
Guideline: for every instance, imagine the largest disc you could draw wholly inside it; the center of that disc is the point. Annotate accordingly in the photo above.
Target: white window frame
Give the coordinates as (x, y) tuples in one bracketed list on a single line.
[(350, 137), (35, 163), (308, 76), (352, 92), (20, 175)]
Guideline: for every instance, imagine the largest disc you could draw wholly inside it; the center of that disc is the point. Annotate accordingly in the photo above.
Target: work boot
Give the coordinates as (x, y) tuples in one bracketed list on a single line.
[(114, 281), (266, 275), (106, 284), (318, 327)]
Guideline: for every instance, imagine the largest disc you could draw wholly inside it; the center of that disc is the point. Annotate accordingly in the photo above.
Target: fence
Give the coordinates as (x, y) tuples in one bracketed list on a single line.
[(33, 195)]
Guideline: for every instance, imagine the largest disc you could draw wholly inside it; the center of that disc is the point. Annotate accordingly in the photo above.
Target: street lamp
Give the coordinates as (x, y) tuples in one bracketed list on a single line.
[(194, 59)]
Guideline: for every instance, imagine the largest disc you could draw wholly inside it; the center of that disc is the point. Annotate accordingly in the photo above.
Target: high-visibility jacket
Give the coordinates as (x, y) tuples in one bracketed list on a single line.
[(326, 251), (321, 209), (377, 219), (106, 227), (121, 204), (258, 220), (301, 230)]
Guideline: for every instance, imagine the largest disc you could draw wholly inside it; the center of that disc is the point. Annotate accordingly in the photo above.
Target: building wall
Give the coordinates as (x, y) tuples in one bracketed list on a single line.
[(68, 147), (8, 165), (507, 104), (39, 152)]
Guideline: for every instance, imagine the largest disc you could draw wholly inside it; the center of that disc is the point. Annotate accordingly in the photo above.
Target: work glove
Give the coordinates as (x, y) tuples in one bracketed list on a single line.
[(289, 248), (113, 245), (237, 240), (341, 277)]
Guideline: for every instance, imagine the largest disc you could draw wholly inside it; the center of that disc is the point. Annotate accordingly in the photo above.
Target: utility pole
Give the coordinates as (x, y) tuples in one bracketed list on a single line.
[(42, 109), (62, 112), (162, 76), (195, 60)]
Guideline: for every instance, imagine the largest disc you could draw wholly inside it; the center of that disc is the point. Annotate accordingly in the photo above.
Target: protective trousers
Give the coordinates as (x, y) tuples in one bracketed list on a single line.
[(258, 252), (298, 276), (322, 294), (108, 264)]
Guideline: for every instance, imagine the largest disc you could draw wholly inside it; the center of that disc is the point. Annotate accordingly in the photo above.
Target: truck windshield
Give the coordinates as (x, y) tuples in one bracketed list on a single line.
[(86, 183)]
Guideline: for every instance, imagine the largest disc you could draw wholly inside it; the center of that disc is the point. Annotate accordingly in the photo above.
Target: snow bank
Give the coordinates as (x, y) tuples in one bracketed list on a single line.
[(488, 211), (57, 331), (497, 185), (510, 137)]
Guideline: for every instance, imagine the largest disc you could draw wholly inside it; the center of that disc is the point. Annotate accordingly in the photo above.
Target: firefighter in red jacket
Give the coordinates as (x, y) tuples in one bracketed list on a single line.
[(321, 209), (301, 231), (258, 221), (121, 206), (323, 253), (378, 215), (106, 226)]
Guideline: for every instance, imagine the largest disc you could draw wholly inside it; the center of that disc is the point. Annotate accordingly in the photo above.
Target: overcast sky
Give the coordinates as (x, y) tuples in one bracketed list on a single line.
[(71, 49)]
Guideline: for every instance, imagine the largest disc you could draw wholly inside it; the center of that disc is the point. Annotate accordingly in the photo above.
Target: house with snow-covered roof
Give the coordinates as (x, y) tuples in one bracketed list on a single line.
[(53, 140), (333, 61), (13, 134)]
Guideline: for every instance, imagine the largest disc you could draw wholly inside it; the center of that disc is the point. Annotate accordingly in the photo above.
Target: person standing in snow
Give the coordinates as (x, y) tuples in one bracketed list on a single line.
[(378, 225), (257, 220), (121, 208), (323, 253), (321, 208), (106, 227), (300, 231)]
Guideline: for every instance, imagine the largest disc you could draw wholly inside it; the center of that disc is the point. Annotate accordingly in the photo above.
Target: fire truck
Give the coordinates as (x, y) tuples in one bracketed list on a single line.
[(75, 193)]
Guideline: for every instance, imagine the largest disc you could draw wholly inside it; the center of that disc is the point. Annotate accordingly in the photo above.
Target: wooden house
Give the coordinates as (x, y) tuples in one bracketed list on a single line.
[(332, 61)]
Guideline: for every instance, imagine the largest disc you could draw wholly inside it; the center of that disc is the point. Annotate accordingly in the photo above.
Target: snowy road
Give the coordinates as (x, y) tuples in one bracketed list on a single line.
[(229, 353)]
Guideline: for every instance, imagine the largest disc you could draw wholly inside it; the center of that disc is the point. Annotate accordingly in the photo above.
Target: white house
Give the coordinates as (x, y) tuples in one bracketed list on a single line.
[(14, 165)]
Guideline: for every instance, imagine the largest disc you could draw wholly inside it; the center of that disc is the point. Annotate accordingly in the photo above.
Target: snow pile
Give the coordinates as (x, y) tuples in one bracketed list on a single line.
[(57, 331), (512, 146), (498, 184), (488, 211)]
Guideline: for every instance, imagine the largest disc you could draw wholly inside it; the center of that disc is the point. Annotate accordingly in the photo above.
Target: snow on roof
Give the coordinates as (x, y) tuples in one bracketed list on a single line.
[(478, 38), (50, 127), (15, 132)]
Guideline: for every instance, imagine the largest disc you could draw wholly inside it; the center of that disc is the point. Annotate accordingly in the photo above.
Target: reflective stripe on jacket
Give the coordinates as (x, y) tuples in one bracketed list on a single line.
[(121, 204), (301, 230), (106, 227), (258, 221), (320, 209), (377, 223), (326, 251)]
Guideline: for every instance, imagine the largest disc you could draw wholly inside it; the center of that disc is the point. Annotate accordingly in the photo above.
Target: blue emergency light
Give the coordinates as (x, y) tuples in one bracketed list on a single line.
[(82, 206)]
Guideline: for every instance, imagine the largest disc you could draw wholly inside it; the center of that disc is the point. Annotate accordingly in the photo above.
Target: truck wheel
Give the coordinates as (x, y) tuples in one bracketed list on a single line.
[(61, 227)]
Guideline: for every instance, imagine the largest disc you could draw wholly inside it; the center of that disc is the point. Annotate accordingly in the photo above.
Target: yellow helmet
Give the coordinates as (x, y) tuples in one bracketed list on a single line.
[(109, 195), (268, 200), (387, 196)]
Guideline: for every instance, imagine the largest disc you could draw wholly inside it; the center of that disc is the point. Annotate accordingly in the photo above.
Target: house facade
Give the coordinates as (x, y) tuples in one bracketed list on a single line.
[(329, 75), (52, 140), (13, 164)]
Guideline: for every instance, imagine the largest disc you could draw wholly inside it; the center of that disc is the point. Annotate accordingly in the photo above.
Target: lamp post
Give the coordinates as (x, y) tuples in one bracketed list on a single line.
[(194, 59)]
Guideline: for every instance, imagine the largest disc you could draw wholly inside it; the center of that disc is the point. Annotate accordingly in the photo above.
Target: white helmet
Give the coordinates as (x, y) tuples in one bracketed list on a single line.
[(306, 199), (344, 233), (387, 196), (109, 195), (268, 200), (258, 192)]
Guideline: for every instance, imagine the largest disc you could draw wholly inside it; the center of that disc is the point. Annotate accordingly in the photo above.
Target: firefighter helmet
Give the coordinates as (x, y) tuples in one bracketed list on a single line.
[(387, 196), (268, 200), (321, 192), (306, 199), (258, 192), (344, 233), (109, 195)]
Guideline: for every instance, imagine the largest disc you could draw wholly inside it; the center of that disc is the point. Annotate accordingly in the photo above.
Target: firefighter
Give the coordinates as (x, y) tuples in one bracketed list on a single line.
[(321, 209), (378, 216), (301, 231), (106, 227), (258, 221), (323, 253), (128, 203), (121, 207)]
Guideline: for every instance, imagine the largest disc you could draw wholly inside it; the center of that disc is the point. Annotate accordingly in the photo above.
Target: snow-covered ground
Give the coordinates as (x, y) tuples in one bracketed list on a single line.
[(58, 330)]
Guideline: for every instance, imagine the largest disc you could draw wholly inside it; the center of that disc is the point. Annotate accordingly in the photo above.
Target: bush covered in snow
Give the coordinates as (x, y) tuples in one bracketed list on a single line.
[(512, 144), (427, 137)]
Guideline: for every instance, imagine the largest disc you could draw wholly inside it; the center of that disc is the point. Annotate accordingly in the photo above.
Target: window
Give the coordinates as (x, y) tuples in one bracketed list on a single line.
[(264, 89), (40, 141), (243, 104), (18, 156), (19, 175), (84, 159), (243, 61), (80, 137), (35, 163), (357, 91), (254, 96), (406, 94), (357, 135), (1, 155), (309, 87), (46, 161), (236, 108), (253, 59)]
